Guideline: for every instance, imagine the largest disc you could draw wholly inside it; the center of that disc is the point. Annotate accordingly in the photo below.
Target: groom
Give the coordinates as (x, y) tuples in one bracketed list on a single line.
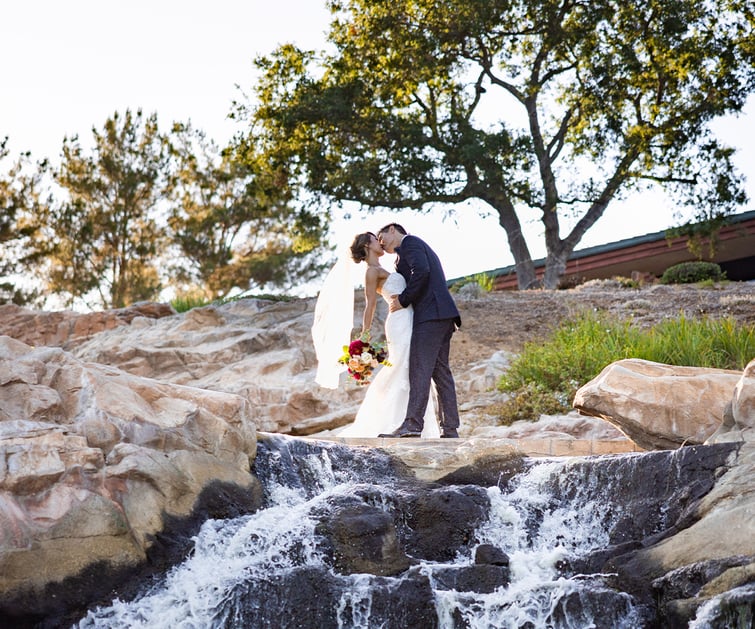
[(435, 320)]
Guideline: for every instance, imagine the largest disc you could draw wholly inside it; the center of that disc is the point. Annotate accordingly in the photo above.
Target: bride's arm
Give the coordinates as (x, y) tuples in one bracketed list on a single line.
[(370, 297)]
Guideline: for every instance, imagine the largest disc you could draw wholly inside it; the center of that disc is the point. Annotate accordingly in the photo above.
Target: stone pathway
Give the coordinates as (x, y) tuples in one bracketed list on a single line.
[(530, 447)]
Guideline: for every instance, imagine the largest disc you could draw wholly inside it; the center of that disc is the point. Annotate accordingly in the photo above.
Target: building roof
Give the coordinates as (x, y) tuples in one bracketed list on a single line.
[(651, 254)]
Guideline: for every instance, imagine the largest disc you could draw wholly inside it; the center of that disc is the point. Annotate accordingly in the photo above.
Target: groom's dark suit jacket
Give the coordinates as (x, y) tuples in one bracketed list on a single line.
[(426, 287)]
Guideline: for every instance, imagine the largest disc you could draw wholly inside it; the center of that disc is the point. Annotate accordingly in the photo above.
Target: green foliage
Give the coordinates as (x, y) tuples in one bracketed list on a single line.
[(529, 401), (101, 242), (485, 281), (692, 272), (579, 349), (574, 353), (112, 225), (234, 223), (715, 343), (19, 203), (526, 105), (186, 301), (626, 282)]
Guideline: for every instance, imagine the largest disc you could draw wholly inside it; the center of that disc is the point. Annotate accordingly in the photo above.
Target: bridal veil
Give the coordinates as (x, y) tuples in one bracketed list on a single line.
[(334, 319)]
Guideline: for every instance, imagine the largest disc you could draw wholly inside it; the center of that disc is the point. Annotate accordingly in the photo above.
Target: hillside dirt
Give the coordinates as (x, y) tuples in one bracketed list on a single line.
[(506, 320)]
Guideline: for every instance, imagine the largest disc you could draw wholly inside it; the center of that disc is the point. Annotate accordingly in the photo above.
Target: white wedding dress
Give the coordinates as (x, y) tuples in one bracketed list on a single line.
[(384, 406)]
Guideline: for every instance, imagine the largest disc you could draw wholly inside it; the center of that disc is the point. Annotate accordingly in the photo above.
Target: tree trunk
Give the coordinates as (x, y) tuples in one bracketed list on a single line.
[(525, 270), (555, 267)]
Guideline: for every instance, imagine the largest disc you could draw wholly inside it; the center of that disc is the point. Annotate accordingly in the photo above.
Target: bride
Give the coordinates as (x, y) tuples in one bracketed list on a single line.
[(384, 406)]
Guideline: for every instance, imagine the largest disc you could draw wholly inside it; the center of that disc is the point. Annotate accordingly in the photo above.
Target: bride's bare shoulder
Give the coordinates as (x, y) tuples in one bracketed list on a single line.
[(376, 274), (377, 271)]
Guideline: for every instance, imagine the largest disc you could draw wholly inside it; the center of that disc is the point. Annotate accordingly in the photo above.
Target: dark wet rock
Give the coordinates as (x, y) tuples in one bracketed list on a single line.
[(599, 608), (687, 581), (661, 492), (442, 521), (490, 555), (314, 597), (364, 540), (487, 471), (735, 608), (676, 592), (482, 579), (655, 494), (594, 561)]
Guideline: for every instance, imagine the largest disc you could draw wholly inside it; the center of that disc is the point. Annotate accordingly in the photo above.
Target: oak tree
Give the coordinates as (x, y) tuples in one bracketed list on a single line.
[(544, 109)]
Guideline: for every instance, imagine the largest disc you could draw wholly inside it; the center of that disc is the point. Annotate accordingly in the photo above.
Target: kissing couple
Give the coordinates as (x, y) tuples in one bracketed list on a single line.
[(422, 317)]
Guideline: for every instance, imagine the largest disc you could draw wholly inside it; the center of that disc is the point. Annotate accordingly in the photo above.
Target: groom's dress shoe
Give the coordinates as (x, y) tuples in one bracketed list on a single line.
[(400, 432), (450, 433), (405, 430)]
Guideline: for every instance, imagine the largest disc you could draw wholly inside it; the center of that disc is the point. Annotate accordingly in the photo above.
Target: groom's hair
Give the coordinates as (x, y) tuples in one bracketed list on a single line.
[(395, 226)]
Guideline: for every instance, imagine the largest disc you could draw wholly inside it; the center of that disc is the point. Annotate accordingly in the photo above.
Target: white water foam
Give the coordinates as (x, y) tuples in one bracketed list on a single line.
[(225, 553), (708, 614), (282, 537), (565, 531)]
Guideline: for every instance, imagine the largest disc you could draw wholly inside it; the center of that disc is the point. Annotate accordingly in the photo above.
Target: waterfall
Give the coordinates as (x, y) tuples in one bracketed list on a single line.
[(275, 568)]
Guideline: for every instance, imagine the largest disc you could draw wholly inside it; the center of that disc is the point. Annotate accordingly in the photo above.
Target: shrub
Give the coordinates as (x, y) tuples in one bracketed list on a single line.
[(626, 282), (485, 281), (187, 301), (529, 401), (580, 348), (691, 272)]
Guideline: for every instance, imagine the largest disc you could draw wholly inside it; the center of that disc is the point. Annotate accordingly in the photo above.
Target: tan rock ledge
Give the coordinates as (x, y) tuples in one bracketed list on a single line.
[(431, 459), (529, 447)]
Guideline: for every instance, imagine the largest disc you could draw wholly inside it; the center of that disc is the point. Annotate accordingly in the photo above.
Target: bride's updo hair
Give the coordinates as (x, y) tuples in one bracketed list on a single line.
[(360, 245)]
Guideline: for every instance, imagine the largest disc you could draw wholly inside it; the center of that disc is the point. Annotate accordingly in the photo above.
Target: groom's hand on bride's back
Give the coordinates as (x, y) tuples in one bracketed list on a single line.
[(395, 303)]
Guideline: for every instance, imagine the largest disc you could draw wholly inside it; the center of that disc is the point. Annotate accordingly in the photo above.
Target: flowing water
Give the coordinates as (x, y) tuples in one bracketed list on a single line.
[(545, 519)]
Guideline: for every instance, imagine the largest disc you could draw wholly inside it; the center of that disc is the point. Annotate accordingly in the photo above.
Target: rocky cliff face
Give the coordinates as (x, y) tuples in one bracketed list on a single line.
[(94, 462)]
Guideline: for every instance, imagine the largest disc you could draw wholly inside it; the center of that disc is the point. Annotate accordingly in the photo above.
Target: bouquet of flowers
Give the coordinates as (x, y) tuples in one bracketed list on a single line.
[(361, 357)]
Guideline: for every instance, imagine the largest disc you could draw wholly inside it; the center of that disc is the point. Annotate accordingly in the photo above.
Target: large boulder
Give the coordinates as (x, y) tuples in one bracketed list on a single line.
[(659, 406), (94, 461)]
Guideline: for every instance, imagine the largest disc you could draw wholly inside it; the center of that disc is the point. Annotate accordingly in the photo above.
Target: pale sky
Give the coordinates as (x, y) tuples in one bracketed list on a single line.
[(67, 65)]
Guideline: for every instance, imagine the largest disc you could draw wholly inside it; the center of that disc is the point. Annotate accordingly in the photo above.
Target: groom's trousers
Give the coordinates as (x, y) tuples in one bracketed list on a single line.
[(428, 360)]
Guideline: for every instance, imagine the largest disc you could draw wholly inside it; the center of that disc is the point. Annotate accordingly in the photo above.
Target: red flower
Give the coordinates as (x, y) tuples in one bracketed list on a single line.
[(361, 357), (356, 347)]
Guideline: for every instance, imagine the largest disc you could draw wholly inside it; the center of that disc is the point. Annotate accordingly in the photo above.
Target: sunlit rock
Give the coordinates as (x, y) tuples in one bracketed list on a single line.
[(659, 406), (258, 349), (64, 327), (93, 460)]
